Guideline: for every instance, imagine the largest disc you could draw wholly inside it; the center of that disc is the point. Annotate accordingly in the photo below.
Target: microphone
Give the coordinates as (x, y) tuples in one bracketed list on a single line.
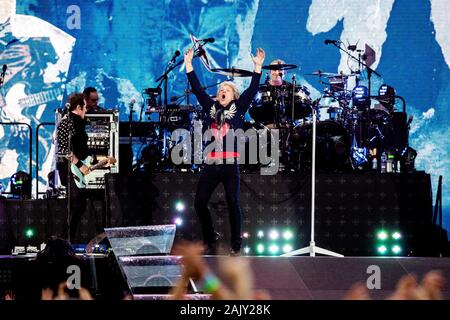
[(199, 52), (332, 41), (210, 40), (4, 69), (174, 57), (132, 102)]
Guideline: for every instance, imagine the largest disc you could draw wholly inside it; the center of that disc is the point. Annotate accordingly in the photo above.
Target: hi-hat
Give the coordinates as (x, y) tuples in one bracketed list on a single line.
[(279, 66), (232, 72)]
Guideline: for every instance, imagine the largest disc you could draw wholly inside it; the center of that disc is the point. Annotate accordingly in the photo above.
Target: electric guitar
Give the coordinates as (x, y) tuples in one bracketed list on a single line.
[(17, 96), (80, 178)]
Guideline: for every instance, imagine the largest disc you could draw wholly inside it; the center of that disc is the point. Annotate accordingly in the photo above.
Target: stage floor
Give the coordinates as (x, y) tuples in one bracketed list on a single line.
[(327, 278), (284, 278)]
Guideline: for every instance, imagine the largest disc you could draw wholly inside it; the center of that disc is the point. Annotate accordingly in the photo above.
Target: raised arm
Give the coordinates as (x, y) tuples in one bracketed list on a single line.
[(247, 96), (258, 59), (203, 98)]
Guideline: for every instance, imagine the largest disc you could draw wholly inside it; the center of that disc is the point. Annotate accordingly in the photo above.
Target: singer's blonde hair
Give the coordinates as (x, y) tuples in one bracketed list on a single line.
[(277, 61), (232, 86)]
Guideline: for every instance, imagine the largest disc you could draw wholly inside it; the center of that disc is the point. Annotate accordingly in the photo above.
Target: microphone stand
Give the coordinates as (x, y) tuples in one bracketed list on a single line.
[(163, 80), (69, 185), (369, 75), (312, 249), (130, 121)]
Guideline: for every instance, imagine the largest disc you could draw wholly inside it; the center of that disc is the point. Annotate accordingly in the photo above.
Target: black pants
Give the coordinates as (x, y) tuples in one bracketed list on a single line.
[(78, 200), (210, 178)]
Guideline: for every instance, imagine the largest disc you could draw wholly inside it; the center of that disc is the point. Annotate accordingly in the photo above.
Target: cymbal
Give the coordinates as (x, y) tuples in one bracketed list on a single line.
[(232, 72), (324, 74), (279, 66)]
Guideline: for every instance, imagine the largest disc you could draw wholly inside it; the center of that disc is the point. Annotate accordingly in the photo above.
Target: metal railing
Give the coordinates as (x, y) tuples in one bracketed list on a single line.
[(37, 155), (30, 151)]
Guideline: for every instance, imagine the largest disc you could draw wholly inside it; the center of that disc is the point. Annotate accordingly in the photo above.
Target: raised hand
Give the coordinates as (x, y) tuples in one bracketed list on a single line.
[(188, 57), (258, 59)]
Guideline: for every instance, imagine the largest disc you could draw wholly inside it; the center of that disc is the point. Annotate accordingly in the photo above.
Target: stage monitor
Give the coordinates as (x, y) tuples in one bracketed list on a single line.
[(142, 240)]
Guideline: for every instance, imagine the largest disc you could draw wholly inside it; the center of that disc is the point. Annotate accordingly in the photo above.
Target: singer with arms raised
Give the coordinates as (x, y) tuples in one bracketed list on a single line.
[(224, 115)]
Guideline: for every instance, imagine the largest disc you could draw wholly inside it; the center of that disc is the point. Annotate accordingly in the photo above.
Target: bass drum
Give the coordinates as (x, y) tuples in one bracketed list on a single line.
[(333, 144)]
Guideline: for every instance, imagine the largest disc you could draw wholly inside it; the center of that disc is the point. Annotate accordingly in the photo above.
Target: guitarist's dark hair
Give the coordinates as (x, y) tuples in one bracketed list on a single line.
[(75, 99), (88, 91)]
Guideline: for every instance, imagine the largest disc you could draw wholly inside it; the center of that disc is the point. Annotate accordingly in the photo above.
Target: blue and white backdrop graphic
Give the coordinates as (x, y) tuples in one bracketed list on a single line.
[(55, 47)]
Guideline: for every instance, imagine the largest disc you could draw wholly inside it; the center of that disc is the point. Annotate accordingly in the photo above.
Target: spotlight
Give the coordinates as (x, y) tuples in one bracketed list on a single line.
[(247, 250), (396, 249), (407, 159), (288, 235), (246, 235), (260, 234), (360, 96), (287, 248), (382, 249), (179, 206), (382, 235), (274, 235), (273, 249), (260, 248), (29, 233), (386, 95), (396, 235), (21, 185), (178, 221)]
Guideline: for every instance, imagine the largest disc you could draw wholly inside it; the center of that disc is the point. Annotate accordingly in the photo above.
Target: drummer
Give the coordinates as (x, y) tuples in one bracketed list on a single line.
[(276, 76)]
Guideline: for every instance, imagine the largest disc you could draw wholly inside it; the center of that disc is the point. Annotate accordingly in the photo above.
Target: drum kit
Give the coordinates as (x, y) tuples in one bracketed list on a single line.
[(347, 126)]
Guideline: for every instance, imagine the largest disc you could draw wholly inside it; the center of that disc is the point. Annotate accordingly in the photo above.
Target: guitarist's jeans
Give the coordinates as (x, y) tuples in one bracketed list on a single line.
[(211, 176), (78, 200)]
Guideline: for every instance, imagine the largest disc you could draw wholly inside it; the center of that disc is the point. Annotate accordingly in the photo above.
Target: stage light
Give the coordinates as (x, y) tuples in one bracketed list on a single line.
[(386, 90), (396, 249), (288, 235), (260, 248), (246, 235), (247, 250), (360, 96), (21, 185), (382, 235), (287, 248), (407, 159), (382, 249), (179, 206), (178, 221), (396, 235), (273, 249), (29, 233), (388, 94), (274, 234), (260, 234)]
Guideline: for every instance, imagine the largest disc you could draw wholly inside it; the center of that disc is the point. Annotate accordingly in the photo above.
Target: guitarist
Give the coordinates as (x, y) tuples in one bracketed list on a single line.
[(72, 140)]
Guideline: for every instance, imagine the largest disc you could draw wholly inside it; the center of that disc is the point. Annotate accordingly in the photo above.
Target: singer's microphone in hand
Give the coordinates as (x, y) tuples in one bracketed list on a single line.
[(200, 52)]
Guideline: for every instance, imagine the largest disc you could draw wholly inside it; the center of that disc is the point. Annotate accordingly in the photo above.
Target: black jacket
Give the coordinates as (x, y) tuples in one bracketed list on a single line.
[(73, 126), (233, 114)]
